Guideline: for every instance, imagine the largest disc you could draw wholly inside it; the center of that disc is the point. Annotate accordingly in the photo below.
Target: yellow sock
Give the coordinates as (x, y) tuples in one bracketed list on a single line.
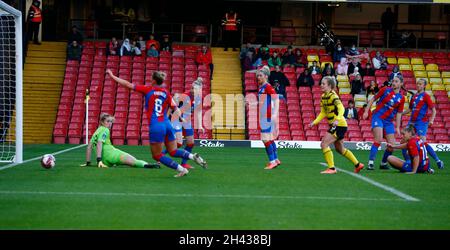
[(349, 155), (328, 157)]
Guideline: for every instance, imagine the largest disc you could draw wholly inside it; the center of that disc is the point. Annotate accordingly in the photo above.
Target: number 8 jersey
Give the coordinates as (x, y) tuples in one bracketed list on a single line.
[(157, 102)]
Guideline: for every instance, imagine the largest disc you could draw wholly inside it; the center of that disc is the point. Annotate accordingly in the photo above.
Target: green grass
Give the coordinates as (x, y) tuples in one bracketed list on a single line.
[(234, 193)]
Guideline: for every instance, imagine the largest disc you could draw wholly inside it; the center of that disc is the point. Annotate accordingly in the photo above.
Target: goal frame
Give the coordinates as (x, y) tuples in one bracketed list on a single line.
[(18, 158)]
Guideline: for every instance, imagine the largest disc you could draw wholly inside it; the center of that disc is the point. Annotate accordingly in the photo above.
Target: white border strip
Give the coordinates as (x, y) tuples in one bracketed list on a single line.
[(39, 157), (377, 184), (231, 196)]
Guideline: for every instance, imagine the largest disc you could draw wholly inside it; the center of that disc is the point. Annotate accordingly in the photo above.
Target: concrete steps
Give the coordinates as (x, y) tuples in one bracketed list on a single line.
[(228, 118), (43, 78)]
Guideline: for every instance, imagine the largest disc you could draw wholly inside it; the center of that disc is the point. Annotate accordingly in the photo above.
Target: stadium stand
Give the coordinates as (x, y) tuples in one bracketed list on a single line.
[(303, 104), (130, 126)]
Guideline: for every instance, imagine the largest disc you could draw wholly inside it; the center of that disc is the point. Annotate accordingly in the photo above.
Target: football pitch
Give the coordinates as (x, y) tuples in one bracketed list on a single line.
[(235, 192)]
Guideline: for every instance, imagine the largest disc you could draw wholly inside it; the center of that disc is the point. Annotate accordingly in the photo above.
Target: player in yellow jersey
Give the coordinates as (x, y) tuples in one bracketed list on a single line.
[(332, 108)]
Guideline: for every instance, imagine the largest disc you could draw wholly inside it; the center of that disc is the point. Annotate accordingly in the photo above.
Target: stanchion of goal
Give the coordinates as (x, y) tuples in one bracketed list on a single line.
[(87, 116)]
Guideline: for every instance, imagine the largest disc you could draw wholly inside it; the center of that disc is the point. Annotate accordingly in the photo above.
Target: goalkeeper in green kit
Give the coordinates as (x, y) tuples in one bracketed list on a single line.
[(107, 154)]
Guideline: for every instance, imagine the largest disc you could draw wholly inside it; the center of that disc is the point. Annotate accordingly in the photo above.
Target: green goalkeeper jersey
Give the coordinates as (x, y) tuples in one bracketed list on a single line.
[(101, 134)]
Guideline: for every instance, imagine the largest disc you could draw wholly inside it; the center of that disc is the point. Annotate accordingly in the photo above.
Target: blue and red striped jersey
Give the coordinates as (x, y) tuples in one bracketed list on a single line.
[(419, 105), (389, 103), (157, 102), (265, 101), (416, 147)]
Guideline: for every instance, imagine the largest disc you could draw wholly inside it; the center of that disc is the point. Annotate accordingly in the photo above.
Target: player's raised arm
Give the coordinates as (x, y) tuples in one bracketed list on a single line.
[(121, 81)]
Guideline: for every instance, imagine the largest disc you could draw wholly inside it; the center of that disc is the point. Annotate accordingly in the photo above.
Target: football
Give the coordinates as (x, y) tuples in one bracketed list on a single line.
[(48, 161)]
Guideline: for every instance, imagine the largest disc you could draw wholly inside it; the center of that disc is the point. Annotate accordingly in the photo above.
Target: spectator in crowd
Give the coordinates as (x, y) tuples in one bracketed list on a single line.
[(113, 47), (204, 58), (339, 53), (355, 73), (342, 67), (352, 53), (279, 81), (248, 62), (386, 84), (125, 49), (361, 113), (152, 52), (34, 20), (395, 72), (328, 66), (305, 79), (274, 60), (257, 61), (354, 63), (314, 69), (166, 44), (300, 59), (351, 112), (288, 58), (75, 35), (141, 44), (243, 54), (372, 89), (152, 41), (365, 55), (74, 51), (368, 70), (357, 85), (379, 61), (387, 21), (328, 72), (135, 51), (263, 53)]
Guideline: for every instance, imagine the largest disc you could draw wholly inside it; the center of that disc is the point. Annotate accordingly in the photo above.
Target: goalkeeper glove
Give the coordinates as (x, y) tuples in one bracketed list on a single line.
[(100, 164)]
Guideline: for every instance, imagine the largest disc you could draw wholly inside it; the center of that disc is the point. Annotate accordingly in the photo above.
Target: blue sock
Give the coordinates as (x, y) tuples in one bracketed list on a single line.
[(430, 151), (386, 154), (180, 153), (168, 162), (373, 151), (269, 151), (188, 148), (164, 151), (406, 155), (275, 151)]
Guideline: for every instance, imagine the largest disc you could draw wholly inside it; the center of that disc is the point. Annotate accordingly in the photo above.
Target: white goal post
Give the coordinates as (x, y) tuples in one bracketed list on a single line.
[(11, 80)]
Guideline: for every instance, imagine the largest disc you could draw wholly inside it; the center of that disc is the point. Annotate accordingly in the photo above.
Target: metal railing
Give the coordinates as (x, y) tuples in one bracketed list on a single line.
[(425, 34), (304, 35), (178, 32)]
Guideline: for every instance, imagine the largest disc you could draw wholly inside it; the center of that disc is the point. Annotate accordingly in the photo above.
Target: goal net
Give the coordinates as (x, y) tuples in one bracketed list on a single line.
[(10, 84)]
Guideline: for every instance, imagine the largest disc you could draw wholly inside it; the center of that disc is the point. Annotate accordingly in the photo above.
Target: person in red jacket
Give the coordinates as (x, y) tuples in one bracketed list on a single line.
[(34, 21), (204, 58), (152, 40)]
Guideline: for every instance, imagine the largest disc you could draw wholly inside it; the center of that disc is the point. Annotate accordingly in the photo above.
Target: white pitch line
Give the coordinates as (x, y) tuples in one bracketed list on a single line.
[(39, 157), (377, 184), (232, 196)]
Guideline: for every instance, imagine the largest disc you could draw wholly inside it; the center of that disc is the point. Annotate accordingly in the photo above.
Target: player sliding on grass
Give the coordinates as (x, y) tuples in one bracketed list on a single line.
[(331, 107), (157, 102), (268, 113), (188, 102), (418, 107), (390, 104), (107, 154), (417, 151)]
